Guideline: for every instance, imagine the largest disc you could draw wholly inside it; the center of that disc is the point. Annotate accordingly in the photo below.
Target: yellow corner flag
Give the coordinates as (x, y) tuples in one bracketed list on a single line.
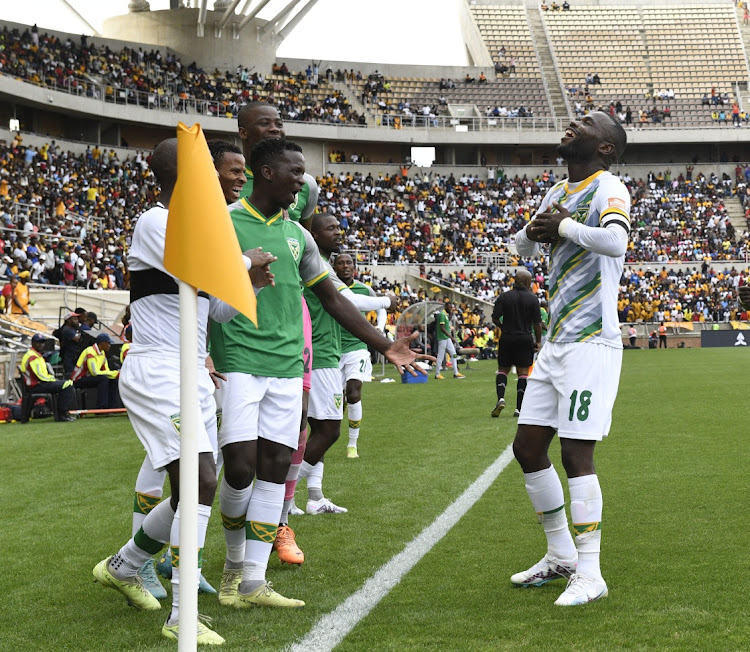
[(201, 245)]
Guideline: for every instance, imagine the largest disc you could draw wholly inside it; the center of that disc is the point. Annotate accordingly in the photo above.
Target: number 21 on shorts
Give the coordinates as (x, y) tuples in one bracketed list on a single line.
[(584, 403)]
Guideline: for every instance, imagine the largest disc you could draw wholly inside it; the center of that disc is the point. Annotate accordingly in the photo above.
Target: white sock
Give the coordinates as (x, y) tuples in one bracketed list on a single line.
[(204, 513), (315, 482), (355, 419), (233, 504), (149, 488), (304, 470), (546, 494), (263, 514), (150, 539), (586, 514)]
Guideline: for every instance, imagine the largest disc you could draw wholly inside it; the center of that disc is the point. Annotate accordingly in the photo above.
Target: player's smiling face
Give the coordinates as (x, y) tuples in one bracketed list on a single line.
[(231, 171), (344, 268), (289, 177), (264, 122), (582, 137)]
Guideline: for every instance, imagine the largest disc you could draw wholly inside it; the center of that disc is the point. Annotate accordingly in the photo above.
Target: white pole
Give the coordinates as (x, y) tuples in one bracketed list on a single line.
[(189, 415)]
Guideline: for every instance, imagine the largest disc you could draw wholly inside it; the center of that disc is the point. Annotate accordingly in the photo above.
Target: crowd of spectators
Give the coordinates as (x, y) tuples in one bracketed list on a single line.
[(152, 79), (66, 218)]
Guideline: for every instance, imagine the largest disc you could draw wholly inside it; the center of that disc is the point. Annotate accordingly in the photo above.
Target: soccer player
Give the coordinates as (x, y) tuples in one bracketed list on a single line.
[(153, 361), (445, 343), (262, 396), (586, 218), (516, 313), (355, 365), (257, 121), (325, 411), (149, 486)]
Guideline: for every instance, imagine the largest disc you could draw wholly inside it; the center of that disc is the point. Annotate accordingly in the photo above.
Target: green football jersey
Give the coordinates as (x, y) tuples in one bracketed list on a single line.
[(274, 347), (444, 320), (348, 341), (297, 211), (326, 331)]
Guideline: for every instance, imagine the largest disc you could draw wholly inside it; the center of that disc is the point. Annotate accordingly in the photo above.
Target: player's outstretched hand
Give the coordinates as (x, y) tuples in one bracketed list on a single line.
[(745, 296), (544, 227), (402, 357), (259, 257)]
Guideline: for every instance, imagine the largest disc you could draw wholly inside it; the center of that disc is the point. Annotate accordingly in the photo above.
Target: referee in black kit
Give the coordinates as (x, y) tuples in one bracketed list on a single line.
[(515, 313)]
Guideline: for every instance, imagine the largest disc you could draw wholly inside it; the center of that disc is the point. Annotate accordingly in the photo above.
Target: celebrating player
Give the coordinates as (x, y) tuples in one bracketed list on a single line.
[(355, 365), (153, 361), (575, 379), (326, 396), (262, 398)]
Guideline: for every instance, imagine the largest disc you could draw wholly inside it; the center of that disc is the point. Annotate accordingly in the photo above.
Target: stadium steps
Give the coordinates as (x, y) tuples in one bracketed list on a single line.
[(552, 80), (736, 216), (354, 100)]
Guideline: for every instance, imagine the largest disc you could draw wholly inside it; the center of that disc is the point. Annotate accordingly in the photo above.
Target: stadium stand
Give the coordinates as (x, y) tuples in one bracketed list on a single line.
[(656, 60)]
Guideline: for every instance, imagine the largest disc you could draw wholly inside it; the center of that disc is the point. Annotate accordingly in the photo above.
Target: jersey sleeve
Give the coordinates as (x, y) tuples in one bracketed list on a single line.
[(312, 198), (149, 236), (612, 200)]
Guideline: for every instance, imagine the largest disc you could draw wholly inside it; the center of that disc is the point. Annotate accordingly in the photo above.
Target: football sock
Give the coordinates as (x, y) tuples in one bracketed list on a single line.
[(501, 381), (149, 488), (586, 515), (315, 482), (355, 420), (263, 514), (520, 391), (149, 540), (204, 513), (454, 362), (233, 505), (291, 477), (546, 494)]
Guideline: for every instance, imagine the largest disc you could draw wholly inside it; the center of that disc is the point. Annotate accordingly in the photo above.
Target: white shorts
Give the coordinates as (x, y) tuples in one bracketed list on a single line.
[(356, 365), (259, 406), (150, 390), (326, 397), (573, 388)]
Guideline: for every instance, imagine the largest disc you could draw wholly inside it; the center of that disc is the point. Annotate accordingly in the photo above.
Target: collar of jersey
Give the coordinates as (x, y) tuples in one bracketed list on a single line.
[(258, 215), (582, 184), (248, 172)]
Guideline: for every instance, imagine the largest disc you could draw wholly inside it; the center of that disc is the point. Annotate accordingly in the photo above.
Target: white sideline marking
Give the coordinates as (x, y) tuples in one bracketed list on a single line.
[(331, 629)]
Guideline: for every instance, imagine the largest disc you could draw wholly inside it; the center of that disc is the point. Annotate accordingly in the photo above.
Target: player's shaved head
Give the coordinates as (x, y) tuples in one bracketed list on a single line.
[(164, 164), (523, 277), (617, 137), (245, 113), (320, 221)]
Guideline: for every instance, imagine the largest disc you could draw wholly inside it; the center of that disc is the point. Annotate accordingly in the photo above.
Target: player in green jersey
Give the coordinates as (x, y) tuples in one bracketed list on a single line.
[(355, 365), (259, 120), (262, 397), (325, 410)]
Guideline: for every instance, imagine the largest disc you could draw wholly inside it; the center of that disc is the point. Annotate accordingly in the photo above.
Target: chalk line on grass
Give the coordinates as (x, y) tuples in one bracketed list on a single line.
[(332, 628)]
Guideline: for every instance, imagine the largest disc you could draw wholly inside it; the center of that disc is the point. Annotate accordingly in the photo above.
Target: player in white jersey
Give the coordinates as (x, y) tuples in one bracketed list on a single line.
[(153, 361), (573, 386)]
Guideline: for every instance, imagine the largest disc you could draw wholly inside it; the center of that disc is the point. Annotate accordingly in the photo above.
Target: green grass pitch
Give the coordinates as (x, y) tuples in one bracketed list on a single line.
[(674, 474)]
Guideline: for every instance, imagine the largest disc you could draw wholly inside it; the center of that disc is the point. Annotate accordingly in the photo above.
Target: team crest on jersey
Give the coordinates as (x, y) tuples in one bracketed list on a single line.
[(175, 419), (294, 247), (581, 212), (337, 400)]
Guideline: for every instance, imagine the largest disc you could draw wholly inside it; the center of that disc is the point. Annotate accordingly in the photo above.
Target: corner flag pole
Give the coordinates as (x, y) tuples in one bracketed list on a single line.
[(188, 503)]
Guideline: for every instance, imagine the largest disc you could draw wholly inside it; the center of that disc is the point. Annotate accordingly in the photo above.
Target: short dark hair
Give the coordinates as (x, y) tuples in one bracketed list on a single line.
[(247, 109), (164, 164), (219, 147), (268, 151), (618, 137)]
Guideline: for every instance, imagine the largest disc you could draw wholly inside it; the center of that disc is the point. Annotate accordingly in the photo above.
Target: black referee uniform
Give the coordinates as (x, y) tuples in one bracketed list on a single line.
[(519, 310)]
